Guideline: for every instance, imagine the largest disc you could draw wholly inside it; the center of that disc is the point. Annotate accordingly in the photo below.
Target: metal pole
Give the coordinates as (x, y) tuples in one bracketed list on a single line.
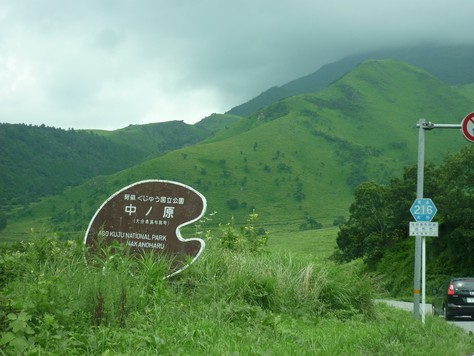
[(423, 278), (429, 125), (420, 242), (419, 195)]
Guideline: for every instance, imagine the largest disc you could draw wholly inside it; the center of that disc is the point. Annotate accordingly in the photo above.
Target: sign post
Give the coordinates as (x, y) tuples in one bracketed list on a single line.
[(419, 195), (425, 208)]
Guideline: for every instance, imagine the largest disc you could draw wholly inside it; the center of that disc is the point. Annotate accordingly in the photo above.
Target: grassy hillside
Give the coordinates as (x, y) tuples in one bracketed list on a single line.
[(467, 90), (299, 159), (158, 138), (37, 161), (217, 122)]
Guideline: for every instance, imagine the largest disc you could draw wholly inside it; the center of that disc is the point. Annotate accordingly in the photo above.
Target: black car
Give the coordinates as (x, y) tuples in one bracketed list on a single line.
[(455, 298)]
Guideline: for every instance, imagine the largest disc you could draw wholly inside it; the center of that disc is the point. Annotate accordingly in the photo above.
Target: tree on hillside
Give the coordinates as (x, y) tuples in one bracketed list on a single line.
[(455, 245), (3, 221), (380, 214)]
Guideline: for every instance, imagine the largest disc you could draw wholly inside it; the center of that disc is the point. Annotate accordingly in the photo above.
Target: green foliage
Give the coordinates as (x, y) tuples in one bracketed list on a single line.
[(233, 204), (37, 161), (369, 229), (339, 220), (396, 267), (455, 201), (19, 334), (310, 223), (299, 195), (226, 302), (377, 230), (357, 176), (246, 238), (284, 283), (3, 221)]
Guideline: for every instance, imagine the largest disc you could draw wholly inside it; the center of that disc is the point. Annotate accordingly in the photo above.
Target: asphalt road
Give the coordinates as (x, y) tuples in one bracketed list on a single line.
[(466, 324)]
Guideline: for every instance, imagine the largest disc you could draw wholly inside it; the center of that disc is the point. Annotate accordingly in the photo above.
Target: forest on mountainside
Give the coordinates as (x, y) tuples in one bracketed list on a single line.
[(37, 161), (40, 161)]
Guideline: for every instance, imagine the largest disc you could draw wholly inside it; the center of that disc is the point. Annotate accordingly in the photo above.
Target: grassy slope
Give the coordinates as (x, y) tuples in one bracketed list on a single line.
[(157, 138), (467, 90), (361, 127), (319, 243), (217, 122), (225, 303)]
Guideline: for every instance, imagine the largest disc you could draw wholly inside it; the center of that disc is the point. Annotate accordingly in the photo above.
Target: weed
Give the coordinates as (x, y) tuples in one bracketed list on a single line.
[(229, 302), (247, 238), (19, 334)]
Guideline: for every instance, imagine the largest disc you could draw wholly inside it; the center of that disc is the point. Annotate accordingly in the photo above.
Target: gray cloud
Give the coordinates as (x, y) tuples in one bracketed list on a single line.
[(107, 63)]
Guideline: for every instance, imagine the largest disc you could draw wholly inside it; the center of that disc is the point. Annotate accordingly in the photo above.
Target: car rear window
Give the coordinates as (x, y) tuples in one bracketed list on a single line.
[(464, 284)]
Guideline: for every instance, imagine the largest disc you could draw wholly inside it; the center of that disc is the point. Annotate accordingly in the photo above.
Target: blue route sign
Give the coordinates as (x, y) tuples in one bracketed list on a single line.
[(423, 209)]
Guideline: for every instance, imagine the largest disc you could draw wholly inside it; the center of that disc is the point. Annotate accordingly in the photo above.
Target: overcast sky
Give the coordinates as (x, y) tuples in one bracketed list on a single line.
[(110, 63)]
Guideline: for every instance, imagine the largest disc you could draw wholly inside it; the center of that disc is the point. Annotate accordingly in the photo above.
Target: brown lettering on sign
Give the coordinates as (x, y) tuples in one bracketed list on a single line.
[(147, 216)]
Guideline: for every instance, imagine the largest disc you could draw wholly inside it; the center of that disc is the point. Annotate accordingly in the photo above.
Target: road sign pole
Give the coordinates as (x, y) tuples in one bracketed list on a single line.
[(419, 195), (420, 241), (423, 278)]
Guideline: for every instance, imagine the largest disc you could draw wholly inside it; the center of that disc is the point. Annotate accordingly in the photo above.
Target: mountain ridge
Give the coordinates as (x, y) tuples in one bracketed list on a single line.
[(299, 158), (451, 64)]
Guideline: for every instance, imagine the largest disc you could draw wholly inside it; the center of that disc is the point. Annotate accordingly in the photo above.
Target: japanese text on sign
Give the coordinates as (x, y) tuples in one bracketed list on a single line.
[(424, 228), (154, 198)]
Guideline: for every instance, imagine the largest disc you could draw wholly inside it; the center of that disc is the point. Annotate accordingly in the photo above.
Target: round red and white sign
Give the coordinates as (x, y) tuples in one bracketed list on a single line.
[(467, 127)]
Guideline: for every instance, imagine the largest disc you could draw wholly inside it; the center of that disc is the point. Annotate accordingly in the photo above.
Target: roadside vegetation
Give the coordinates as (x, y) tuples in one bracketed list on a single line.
[(238, 298), (377, 230)]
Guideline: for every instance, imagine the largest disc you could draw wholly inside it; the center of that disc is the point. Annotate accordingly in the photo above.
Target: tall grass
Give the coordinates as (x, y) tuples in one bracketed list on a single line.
[(227, 302)]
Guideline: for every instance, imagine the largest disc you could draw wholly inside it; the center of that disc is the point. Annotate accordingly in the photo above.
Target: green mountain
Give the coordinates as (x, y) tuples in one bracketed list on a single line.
[(451, 64), (37, 161), (298, 160), (158, 138)]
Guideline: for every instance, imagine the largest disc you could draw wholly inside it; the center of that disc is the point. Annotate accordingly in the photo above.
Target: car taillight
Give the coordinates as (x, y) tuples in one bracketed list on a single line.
[(451, 289)]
